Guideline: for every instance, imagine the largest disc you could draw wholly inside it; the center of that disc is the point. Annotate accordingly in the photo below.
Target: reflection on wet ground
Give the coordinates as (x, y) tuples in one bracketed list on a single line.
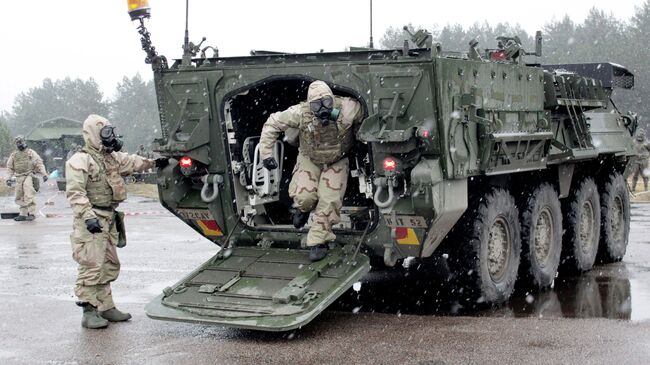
[(424, 289), (618, 291)]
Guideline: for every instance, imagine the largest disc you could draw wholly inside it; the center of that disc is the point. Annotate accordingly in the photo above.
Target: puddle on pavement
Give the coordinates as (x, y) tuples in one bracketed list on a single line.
[(605, 292)]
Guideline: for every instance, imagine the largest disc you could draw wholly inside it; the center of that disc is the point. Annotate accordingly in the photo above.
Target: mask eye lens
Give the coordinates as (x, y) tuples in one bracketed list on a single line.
[(314, 105), (327, 102), (106, 132)]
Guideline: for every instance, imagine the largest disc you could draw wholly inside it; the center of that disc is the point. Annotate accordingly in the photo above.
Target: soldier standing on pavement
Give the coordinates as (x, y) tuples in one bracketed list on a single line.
[(326, 125), (95, 187), (24, 163), (640, 164)]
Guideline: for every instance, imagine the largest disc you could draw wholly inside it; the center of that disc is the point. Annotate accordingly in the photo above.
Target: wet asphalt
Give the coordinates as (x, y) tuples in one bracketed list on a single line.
[(406, 316)]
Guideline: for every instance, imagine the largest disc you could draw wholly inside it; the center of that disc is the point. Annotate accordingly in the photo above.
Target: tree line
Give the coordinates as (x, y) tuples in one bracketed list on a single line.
[(600, 38), (133, 109)]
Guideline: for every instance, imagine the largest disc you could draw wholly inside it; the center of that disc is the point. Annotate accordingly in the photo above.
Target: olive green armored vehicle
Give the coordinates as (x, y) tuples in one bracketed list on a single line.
[(507, 170), (53, 140)]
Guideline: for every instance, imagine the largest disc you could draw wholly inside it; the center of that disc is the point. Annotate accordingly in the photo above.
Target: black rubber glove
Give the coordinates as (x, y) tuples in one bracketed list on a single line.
[(44, 178), (270, 163), (162, 162), (93, 226)]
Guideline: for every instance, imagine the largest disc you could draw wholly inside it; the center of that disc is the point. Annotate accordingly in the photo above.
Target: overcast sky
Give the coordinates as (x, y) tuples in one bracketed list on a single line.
[(95, 38)]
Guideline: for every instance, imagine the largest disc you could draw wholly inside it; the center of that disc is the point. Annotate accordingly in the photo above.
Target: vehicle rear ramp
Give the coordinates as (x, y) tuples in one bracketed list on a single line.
[(269, 289)]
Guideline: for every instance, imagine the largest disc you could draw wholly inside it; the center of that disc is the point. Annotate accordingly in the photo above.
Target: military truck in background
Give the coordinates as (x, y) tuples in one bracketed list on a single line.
[(508, 170), (53, 139)]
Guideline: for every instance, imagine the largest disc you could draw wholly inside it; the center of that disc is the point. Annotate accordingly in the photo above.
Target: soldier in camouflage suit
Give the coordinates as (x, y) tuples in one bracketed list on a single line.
[(24, 163), (640, 164), (326, 125), (95, 186)]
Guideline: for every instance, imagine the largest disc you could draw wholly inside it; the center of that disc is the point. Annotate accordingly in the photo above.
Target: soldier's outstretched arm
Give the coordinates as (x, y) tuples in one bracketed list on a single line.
[(131, 163), (277, 123), (39, 166), (76, 177)]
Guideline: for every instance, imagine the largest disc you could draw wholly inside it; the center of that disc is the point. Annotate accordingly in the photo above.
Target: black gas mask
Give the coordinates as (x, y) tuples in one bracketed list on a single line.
[(110, 140), (20, 144), (323, 109)]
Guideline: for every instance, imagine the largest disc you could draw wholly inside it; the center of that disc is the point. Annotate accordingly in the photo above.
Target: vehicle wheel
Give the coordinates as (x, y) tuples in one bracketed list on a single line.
[(487, 247), (582, 227), (615, 218), (541, 236)]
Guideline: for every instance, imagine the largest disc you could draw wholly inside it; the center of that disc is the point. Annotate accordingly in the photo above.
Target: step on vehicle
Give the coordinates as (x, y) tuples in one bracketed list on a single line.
[(507, 169)]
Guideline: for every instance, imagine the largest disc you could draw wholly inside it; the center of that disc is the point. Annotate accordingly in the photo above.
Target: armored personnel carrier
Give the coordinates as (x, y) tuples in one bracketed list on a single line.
[(507, 170)]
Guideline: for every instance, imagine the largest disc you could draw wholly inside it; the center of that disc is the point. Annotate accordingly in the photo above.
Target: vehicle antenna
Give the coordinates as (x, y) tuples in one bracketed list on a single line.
[(371, 45), (187, 55)]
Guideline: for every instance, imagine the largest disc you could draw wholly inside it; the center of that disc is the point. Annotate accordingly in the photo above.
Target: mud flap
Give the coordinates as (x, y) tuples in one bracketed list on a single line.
[(261, 289)]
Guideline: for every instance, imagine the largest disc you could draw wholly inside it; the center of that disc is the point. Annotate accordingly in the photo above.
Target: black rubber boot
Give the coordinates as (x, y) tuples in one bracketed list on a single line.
[(30, 217), (114, 315), (20, 218), (91, 319), (318, 252), (299, 218)]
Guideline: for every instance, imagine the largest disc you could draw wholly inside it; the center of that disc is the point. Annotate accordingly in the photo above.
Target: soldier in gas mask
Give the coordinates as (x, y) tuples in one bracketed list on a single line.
[(23, 164), (95, 186), (326, 125), (640, 164)]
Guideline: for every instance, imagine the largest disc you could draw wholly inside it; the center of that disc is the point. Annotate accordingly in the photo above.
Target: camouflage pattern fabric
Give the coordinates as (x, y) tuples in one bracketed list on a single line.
[(87, 170), (321, 174), (640, 164), (322, 187), (321, 144), (23, 165)]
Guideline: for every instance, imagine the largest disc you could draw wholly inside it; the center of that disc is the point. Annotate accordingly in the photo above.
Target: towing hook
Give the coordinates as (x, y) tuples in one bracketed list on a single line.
[(210, 181), (389, 184)]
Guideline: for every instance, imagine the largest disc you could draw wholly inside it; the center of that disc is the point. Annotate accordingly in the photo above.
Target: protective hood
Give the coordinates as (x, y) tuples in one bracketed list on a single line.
[(92, 125), (317, 90)]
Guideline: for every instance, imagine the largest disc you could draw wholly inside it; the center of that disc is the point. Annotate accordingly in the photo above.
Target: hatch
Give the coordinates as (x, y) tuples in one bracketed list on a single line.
[(269, 289)]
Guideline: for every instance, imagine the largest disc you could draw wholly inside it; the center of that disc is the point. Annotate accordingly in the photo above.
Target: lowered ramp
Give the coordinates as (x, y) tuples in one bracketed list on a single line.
[(269, 289)]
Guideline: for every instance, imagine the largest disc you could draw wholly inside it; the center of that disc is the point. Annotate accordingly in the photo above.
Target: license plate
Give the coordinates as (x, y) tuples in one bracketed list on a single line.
[(412, 221), (195, 214)]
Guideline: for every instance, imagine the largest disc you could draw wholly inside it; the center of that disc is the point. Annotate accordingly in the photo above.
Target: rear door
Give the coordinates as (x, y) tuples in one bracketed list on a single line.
[(259, 288)]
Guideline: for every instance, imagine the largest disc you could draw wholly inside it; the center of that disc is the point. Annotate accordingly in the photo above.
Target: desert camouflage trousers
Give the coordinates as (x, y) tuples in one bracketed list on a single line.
[(638, 168), (96, 255), (320, 189), (25, 195)]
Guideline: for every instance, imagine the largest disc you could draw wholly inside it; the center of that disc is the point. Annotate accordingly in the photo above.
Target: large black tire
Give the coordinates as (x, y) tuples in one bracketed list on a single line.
[(615, 219), (486, 248), (541, 236), (581, 227)]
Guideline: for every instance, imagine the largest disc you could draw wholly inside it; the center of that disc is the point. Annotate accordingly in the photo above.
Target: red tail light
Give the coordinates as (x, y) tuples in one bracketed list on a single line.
[(390, 164), (185, 162)]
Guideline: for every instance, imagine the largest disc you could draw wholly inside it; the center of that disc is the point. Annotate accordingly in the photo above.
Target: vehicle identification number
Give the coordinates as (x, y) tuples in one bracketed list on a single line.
[(195, 214), (412, 221)]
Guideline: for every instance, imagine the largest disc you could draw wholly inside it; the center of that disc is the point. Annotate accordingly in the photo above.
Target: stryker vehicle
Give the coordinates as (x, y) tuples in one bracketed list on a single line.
[(500, 167)]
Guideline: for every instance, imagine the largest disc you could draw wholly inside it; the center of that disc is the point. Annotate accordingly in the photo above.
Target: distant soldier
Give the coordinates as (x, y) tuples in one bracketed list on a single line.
[(95, 187), (24, 163), (640, 164), (326, 125)]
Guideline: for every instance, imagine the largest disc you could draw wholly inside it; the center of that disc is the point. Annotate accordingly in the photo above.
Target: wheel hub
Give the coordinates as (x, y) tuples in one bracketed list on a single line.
[(618, 220), (543, 237), (587, 227), (498, 248)]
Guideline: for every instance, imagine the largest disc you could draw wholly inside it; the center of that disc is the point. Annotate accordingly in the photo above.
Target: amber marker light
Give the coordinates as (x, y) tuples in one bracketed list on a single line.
[(139, 9)]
